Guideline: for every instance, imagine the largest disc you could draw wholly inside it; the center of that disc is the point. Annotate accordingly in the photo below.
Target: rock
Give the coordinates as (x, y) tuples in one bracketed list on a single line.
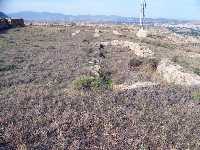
[(96, 35), (123, 87), (115, 32), (76, 32), (142, 33), (192, 55), (97, 31), (95, 70), (105, 43), (139, 50), (173, 73)]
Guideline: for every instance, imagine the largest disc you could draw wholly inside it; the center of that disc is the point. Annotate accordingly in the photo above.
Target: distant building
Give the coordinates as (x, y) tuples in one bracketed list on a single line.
[(17, 22), (6, 23)]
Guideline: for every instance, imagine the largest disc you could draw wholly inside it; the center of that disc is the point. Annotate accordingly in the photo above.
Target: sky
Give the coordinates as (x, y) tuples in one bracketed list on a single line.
[(173, 9)]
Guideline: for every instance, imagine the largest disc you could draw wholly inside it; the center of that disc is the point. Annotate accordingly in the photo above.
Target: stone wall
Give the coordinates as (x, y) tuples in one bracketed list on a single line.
[(6, 23), (17, 22)]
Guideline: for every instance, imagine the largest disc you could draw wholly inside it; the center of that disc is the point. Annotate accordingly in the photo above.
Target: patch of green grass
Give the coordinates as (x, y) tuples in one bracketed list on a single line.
[(196, 96), (89, 82)]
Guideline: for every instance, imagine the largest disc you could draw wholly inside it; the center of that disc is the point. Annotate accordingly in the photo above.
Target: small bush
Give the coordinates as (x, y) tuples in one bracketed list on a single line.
[(85, 82), (196, 96), (89, 82), (7, 67), (175, 59), (197, 71)]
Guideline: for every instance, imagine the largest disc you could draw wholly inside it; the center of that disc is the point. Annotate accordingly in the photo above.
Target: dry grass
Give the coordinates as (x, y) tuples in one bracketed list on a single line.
[(39, 109)]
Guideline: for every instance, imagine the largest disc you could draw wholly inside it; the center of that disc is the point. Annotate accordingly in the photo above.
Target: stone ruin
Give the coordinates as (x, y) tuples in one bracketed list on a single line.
[(6, 23), (17, 22)]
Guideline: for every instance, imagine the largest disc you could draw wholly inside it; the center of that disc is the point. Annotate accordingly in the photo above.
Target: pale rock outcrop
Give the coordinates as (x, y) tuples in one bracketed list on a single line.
[(192, 55), (139, 50), (115, 32), (173, 73), (96, 33), (76, 32), (123, 87), (95, 70), (142, 33)]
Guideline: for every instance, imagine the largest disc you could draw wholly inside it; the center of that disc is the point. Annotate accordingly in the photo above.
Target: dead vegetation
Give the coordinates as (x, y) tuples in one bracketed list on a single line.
[(41, 109)]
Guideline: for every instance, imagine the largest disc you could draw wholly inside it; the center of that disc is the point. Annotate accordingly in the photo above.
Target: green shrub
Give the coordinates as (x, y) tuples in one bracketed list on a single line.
[(196, 96), (197, 71), (175, 59), (84, 82), (89, 82), (7, 67)]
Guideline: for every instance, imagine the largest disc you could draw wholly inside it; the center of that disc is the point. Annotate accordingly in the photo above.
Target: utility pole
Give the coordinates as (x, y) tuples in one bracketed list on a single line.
[(143, 6), (142, 33)]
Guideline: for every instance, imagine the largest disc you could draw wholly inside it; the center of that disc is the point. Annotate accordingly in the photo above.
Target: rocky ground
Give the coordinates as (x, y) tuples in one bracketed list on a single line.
[(99, 87)]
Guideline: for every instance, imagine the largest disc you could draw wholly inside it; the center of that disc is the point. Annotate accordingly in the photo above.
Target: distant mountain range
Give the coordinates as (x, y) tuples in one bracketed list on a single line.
[(57, 17), (54, 17), (30, 16), (2, 15)]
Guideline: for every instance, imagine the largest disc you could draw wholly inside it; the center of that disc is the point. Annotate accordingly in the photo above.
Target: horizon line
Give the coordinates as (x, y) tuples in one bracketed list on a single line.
[(123, 16)]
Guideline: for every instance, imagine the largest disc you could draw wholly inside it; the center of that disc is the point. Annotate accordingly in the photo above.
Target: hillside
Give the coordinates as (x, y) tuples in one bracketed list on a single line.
[(99, 87)]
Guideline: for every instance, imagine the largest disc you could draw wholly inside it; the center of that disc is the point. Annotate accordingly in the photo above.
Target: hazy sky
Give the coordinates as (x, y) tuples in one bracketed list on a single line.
[(177, 9)]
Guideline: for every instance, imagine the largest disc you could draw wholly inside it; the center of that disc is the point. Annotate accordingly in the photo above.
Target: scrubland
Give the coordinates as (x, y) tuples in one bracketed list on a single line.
[(99, 87)]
